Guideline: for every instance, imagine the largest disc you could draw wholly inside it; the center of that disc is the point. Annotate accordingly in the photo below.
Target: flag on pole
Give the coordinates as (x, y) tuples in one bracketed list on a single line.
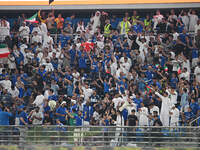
[(166, 68), (179, 69), (148, 89), (4, 51), (32, 19), (50, 1)]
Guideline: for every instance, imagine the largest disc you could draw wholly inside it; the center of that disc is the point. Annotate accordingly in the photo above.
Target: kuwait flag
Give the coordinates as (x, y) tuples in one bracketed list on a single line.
[(32, 19), (148, 88), (179, 69), (166, 68), (4, 52)]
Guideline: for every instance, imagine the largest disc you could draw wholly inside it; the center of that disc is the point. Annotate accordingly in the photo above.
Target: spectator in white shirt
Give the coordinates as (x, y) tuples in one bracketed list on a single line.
[(87, 92), (39, 100), (193, 20), (143, 112), (36, 38), (173, 95), (153, 108), (43, 28), (48, 41), (13, 91), (185, 74), (36, 116), (48, 65), (37, 28), (185, 19), (6, 83), (4, 29), (157, 19), (197, 27), (174, 113), (24, 31), (80, 27), (197, 72)]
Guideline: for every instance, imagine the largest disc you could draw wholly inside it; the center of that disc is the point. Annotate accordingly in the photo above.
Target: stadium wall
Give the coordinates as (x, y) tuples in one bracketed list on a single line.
[(97, 4), (82, 148)]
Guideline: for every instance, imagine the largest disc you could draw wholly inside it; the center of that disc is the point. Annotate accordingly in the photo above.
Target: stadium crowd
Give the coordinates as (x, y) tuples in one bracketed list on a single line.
[(134, 71)]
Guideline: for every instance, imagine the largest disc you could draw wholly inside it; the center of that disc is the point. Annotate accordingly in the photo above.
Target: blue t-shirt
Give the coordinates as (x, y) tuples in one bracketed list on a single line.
[(195, 53), (106, 87), (62, 111), (78, 120), (4, 118), (82, 62), (24, 116), (88, 112), (53, 97), (138, 102), (173, 82), (189, 115), (95, 67), (72, 54), (194, 107)]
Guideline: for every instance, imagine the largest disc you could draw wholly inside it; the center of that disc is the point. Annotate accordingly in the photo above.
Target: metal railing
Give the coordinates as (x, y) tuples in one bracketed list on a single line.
[(98, 136), (195, 120)]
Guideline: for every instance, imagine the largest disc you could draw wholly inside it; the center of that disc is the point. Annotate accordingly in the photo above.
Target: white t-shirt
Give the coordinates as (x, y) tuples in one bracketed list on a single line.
[(39, 100), (38, 115), (87, 93), (24, 31), (14, 93), (6, 84), (36, 38)]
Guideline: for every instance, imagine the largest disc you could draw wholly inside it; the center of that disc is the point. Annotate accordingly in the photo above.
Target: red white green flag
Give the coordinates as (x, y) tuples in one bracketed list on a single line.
[(179, 69), (32, 19), (4, 51)]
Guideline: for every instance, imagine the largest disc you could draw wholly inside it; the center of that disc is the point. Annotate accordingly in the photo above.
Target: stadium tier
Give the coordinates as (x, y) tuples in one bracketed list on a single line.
[(98, 4), (115, 77)]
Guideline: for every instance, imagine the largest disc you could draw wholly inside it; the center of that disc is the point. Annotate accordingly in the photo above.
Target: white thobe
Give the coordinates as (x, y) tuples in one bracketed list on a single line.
[(39, 101), (142, 48), (143, 119), (24, 32), (185, 20), (174, 117), (48, 41), (165, 108), (173, 97), (4, 30), (193, 21), (6, 84)]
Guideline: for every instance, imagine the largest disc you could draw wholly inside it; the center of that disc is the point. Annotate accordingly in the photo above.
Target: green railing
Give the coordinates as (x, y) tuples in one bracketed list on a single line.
[(98, 136)]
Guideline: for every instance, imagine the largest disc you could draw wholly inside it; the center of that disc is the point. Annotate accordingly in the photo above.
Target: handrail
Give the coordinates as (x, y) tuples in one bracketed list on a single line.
[(90, 126), (194, 120)]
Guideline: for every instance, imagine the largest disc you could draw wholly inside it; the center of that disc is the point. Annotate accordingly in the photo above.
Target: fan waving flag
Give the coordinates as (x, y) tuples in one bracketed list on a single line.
[(4, 51), (32, 19), (50, 1)]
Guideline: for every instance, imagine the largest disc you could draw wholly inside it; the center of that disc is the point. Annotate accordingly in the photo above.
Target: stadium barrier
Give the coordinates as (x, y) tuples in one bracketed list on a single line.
[(57, 35), (100, 136)]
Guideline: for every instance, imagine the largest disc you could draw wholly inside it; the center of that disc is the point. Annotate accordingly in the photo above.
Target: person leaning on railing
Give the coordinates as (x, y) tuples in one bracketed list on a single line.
[(76, 120), (132, 121)]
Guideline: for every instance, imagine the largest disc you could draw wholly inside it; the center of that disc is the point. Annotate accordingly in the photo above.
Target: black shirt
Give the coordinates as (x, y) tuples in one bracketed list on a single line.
[(132, 120)]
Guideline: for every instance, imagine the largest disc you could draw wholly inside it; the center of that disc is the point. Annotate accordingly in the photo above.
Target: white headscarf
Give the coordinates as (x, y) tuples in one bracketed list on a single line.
[(96, 21)]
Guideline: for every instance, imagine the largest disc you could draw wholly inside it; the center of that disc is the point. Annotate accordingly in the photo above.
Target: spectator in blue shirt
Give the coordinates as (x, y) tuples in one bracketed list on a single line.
[(87, 112), (4, 116), (188, 116), (23, 116), (61, 113), (184, 100), (194, 106)]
